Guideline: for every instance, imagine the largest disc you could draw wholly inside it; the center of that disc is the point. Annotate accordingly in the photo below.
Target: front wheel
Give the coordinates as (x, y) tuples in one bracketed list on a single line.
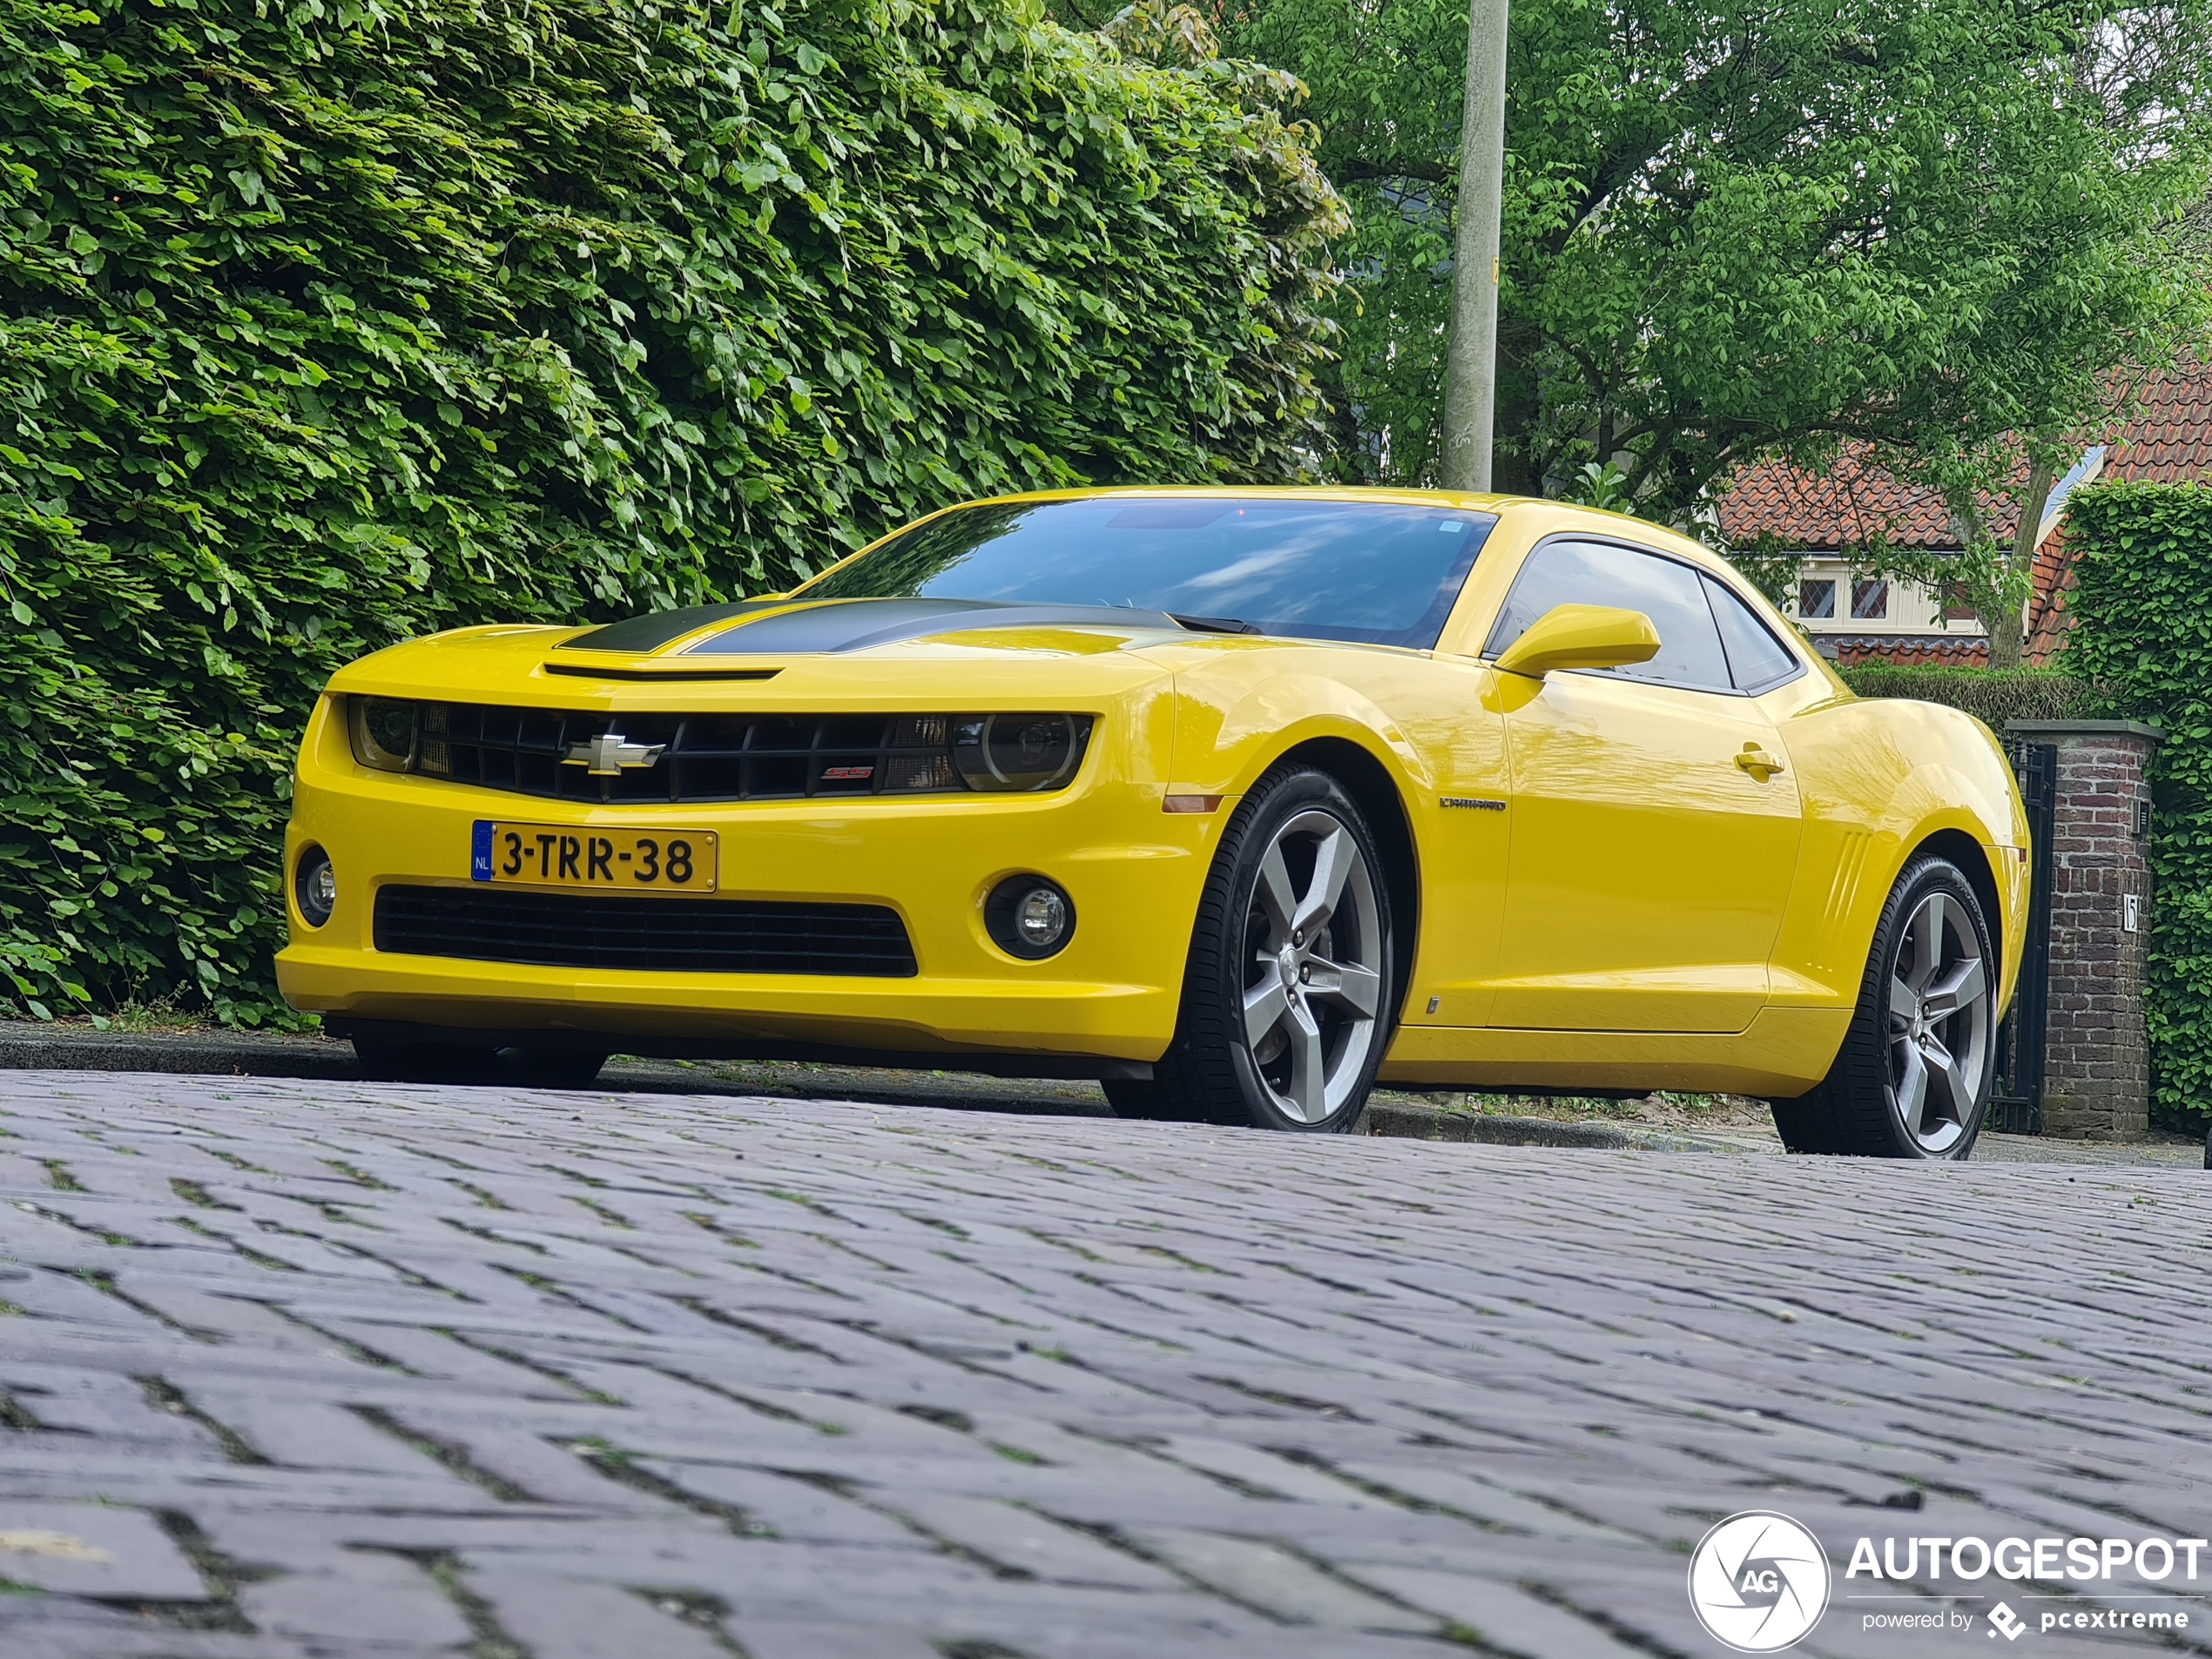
[(1913, 1077), (1287, 995)]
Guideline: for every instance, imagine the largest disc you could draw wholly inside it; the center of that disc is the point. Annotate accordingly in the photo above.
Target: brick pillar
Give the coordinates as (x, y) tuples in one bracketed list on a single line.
[(2096, 1078)]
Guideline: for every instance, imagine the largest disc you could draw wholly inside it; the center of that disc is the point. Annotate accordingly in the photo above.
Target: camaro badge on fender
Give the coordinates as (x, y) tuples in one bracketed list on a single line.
[(1759, 1582), (610, 755)]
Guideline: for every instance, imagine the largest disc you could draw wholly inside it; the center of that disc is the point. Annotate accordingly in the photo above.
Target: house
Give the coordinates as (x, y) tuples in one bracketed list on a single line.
[(1856, 618)]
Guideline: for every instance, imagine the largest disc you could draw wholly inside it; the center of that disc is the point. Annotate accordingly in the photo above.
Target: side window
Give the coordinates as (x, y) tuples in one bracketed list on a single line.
[(1597, 573), (1756, 658)]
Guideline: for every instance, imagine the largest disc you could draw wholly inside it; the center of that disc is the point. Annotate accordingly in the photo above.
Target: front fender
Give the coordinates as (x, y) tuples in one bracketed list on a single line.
[(1223, 748)]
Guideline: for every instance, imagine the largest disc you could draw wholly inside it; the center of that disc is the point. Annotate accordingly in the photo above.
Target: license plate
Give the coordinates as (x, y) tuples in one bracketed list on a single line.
[(555, 856)]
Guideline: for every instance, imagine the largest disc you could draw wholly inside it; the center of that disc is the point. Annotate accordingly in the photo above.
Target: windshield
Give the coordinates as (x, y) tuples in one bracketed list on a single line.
[(1382, 572)]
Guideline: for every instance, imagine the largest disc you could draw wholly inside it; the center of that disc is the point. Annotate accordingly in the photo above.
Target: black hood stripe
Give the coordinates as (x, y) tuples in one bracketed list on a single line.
[(638, 634)]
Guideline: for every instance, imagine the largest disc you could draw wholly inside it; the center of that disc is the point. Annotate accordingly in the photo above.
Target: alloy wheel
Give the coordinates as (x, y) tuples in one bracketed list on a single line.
[(1939, 1023), (1314, 967)]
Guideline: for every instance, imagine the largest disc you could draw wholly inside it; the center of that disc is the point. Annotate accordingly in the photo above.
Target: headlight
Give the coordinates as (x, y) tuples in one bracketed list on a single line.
[(1019, 752), (390, 734), (383, 731)]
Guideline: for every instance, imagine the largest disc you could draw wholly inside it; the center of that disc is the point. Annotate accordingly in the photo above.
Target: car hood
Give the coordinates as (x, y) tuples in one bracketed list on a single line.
[(785, 628), (831, 654)]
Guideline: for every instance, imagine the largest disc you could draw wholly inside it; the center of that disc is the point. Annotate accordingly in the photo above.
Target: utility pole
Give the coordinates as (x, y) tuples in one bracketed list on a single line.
[(1471, 359)]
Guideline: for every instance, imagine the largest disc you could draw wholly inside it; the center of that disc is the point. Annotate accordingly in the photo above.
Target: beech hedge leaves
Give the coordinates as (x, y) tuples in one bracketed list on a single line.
[(2143, 622), (328, 322), (1990, 695)]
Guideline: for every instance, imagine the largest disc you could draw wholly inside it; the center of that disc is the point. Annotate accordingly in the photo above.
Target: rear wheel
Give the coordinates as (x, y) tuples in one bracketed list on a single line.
[(1913, 1077), (1287, 995)]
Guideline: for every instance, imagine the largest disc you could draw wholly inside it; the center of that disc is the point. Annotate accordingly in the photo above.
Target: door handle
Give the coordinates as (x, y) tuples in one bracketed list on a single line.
[(1758, 762)]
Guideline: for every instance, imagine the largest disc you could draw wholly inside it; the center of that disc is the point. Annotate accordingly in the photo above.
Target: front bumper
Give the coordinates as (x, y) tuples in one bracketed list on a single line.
[(1133, 871)]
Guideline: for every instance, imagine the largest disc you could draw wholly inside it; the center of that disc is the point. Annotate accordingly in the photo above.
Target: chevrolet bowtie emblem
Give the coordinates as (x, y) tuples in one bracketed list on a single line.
[(610, 755)]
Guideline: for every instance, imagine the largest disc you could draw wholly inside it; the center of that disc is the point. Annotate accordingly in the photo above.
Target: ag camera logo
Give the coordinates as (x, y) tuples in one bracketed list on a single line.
[(1759, 1582)]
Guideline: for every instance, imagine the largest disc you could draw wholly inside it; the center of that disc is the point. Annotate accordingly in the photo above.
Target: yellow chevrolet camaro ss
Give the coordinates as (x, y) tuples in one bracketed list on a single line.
[(1238, 801)]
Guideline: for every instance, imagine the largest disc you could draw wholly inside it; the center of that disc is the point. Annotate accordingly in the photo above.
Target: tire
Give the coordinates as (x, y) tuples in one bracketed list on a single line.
[(1288, 1001), (1912, 1079)]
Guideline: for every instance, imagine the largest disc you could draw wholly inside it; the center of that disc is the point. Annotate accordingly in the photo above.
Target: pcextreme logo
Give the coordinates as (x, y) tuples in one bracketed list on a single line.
[(1759, 1582)]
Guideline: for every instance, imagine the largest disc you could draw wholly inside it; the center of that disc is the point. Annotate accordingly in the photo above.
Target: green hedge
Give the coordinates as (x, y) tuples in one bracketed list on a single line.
[(2143, 620), (1993, 696), (324, 325)]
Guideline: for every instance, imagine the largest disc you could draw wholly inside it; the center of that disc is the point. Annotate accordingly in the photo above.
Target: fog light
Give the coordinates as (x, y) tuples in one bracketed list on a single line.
[(1029, 917), (315, 887), (1040, 917)]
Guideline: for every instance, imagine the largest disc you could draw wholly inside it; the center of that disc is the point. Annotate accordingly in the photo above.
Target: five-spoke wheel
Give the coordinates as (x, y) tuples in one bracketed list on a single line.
[(1913, 1075), (1313, 984), (1287, 998), (1939, 1025)]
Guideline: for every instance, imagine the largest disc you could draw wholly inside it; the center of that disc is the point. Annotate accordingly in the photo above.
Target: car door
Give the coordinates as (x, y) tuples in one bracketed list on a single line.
[(1654, 819)]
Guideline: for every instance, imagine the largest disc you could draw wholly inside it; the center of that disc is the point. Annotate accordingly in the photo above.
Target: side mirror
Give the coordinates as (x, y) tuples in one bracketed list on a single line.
[(1581, 636)]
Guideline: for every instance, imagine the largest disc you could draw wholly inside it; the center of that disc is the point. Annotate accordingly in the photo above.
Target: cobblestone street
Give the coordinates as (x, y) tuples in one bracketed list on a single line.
[(326, 1368)]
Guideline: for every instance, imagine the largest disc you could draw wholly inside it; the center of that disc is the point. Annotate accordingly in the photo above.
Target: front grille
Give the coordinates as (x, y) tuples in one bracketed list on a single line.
[(650, 935), (643, 758), (707, 757)]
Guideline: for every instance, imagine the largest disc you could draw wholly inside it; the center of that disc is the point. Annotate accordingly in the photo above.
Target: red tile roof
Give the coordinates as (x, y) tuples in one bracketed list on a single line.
[(1912, 651), (1857, 503), (2169, 442), (1858, 500), (2048, 623)]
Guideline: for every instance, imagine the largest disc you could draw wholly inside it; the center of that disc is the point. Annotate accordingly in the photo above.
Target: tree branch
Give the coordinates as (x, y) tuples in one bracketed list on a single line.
[(1358, 170)]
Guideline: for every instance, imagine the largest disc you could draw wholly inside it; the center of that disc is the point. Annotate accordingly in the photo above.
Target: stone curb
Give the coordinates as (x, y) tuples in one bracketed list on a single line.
[(30, 1048), (24, 1047)]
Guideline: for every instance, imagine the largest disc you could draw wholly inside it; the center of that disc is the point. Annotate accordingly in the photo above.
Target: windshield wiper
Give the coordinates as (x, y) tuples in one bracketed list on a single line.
[(1212, 624)]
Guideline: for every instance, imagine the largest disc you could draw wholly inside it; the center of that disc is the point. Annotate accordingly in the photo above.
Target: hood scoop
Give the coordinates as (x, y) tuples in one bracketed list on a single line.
[(585, 671)]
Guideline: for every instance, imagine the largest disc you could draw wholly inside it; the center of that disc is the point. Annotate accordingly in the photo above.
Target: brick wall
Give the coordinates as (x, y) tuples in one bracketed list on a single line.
[(2096, 1081)]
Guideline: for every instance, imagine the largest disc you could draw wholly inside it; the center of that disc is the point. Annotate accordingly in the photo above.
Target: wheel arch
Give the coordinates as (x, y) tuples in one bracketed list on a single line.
[(1370, 783), (1972, 861)]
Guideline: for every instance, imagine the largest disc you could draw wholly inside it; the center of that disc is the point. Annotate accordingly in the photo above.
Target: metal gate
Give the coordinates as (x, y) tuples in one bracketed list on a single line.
[(2016, 1107)]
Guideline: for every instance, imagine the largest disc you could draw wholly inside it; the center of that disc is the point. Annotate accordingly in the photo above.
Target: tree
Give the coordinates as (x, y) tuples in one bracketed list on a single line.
[(1991, 573), (1743, 227), (324, 325)]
